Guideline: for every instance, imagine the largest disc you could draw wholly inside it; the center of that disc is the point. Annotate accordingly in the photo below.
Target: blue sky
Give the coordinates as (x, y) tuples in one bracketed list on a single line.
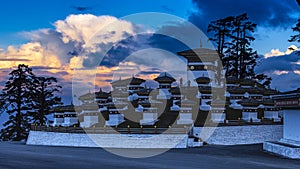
[(40, 31), (19, 16), (43, 33)]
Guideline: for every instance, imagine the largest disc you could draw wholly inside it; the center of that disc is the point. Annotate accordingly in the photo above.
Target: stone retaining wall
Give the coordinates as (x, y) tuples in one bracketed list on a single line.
[(108, 140), (229, 135), (234, 135)]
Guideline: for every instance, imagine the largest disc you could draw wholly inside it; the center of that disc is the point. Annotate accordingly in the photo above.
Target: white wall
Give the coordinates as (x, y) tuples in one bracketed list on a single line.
[(108, 140), (229, 135), (232, 135), (291, 129)]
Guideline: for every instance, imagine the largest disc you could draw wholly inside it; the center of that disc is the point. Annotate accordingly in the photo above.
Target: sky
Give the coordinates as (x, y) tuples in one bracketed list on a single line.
[(55, 37)]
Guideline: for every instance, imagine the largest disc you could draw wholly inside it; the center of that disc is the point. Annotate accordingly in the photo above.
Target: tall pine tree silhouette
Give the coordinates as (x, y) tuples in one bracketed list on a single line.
[(233, 36), (15, 100), (44, 98), (296, 37)]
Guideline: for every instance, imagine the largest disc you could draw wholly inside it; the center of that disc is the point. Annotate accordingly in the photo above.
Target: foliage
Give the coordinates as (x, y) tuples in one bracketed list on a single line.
[(296, 37), (233, 37), (15, 101), (26, 99), (44, 99)]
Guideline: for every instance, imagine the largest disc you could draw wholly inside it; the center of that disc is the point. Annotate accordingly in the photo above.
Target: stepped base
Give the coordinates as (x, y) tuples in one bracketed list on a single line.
[(283, 149)]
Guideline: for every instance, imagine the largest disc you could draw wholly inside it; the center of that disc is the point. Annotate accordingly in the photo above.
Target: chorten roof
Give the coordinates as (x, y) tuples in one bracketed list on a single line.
[(200, 54), (119, 93), (89, 106), (268, 102), (247, 82), (249, 103), (165, 78), (236, 90), (269, 92), (87, 96), (65, 108), (143, 92), (101, 94), (255, 90), (129, 81), (202, 80), (205, 90), (232, 80)]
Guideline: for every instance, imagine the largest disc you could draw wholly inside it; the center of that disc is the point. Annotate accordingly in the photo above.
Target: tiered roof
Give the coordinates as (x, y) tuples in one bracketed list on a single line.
[(129, 81), (165, 78), (232, 80), (249, 103), (143, 92), (247, 82), (88, 96), (202, 80), (65, 108), (101, 94), (200, 55)]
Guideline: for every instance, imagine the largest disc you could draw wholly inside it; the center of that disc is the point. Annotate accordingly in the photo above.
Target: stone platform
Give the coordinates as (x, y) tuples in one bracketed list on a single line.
[(283, 148)]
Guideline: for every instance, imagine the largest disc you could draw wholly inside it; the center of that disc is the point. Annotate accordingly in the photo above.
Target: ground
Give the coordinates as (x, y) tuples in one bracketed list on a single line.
[(19, 156)]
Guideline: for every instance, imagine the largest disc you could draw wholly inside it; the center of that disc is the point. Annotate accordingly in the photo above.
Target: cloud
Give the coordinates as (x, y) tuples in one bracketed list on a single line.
[(291, 81), (80, 28), (270, 13), (14, 59), (74, 43), (79, 42), (51, 42), (277, 52), (278, 72), (33, 54), (98, 36), (284, 70), (281, 63)]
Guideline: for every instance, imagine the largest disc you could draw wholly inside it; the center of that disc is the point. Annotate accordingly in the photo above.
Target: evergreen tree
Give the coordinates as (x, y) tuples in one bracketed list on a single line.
[(263, 79), (222, 30), (233, 37), (296, 38), (15, 100), (243, 56), (44, 99)]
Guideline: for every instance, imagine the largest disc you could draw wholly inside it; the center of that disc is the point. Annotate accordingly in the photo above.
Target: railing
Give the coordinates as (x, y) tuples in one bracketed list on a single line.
[(110, 130)]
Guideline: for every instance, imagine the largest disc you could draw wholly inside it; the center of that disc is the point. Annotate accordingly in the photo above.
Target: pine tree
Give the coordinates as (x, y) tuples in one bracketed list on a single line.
[(296, 38), (15, 100), (44, 99), (233, 38), (222, 29), (243, 55)]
